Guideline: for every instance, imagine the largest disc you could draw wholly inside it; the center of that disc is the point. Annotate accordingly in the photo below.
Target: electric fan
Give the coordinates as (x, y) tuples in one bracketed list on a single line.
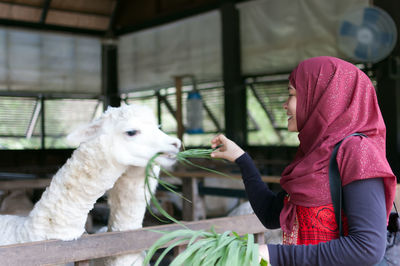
[(367, 35)]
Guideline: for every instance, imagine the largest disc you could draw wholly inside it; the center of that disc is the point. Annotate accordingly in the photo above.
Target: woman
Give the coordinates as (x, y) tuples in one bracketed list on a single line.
[(329, 99)]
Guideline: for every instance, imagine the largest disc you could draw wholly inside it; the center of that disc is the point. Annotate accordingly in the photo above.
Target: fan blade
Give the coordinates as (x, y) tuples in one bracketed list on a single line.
[(384, 38), (371, 15), (348, 29), (361, 51)]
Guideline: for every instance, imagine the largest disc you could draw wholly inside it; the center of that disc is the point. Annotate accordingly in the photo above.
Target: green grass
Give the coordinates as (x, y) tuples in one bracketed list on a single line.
[(203, 247), (207, 248), (182, 158)]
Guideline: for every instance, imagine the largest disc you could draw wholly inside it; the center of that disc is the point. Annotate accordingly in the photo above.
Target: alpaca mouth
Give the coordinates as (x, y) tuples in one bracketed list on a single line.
[(166, 159), (171, 156)]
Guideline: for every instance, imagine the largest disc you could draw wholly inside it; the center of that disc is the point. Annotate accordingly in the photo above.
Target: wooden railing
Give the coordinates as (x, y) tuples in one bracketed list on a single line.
[(88, 247)]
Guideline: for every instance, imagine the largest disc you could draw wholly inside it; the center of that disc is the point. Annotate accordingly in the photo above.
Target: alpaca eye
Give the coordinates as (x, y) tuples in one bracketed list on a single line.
[(131, 133)]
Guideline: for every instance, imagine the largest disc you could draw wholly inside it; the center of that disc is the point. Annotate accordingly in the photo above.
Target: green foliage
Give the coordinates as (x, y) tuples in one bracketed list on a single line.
[(203, 248), (183, 158), (207, 248)]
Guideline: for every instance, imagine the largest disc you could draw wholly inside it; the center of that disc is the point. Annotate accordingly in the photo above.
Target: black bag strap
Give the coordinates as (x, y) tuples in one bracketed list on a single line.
[(335, 183)]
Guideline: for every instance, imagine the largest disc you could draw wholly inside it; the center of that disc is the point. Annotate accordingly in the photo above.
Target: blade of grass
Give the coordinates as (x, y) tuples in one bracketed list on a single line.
[(176, 243), (249, 249), (184, 234), (233, 253), (180, 259)]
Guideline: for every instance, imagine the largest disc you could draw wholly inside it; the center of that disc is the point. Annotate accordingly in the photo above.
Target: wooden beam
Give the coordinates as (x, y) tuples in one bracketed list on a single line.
[(234, 87), (114, 243), (200, 174), (24, 184), (179, 116), (110, 75), (42, 123), (48, 27)]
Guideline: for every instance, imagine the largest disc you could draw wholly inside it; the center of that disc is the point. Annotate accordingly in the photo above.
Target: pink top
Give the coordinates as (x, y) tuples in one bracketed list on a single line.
[(334, 100)]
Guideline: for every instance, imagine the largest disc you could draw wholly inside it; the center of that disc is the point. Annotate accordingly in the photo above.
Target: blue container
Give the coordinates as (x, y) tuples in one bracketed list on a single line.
[(194, 113)]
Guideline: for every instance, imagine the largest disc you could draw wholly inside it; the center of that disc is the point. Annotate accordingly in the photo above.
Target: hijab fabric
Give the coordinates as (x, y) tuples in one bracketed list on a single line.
[(334, 100)]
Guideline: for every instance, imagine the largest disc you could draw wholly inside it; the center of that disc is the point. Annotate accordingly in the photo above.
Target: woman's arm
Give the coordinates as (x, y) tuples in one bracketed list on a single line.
[(364, 202), (266, 204)]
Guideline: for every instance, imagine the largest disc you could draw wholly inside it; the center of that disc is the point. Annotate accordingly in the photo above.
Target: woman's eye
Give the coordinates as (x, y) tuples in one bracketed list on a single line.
[(131, 133)]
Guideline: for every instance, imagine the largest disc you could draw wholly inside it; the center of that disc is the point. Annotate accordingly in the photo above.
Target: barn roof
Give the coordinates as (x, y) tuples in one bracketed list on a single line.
[(98, 17)]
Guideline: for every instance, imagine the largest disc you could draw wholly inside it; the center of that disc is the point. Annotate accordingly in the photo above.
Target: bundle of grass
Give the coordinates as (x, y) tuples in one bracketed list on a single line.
[(182, 158), (207, 248), (203, 248)]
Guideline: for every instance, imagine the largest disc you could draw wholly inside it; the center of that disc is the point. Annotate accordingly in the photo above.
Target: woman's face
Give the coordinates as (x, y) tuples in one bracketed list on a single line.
[(290, 107)]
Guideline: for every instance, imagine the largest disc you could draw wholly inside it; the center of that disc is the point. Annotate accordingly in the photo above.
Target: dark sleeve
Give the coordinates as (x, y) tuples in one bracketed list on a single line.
[(364, 202), (266, 204)]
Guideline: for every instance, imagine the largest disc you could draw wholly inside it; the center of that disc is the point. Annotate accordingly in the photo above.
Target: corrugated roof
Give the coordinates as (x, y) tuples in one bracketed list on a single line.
[(98, 17)]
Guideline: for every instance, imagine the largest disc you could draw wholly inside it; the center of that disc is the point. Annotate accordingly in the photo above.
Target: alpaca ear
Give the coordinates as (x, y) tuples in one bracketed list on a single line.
[(85, 133)]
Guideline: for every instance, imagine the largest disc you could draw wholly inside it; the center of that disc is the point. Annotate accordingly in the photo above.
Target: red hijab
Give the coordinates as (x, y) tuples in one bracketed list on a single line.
[(334, 100)]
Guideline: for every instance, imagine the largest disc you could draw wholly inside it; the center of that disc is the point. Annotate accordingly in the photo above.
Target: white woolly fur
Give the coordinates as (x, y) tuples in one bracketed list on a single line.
[(127, 203), (107, 149)]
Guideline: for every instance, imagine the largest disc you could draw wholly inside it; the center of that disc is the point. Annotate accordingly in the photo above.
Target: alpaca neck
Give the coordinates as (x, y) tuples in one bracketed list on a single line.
[(62, 211), (127, 200)]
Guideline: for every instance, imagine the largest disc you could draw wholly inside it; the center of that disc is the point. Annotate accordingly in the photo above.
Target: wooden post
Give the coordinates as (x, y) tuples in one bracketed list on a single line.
[(179, 117), (259, 238), (82, 263), (179, 249), (109, 70), (234, 87), (189, 191)]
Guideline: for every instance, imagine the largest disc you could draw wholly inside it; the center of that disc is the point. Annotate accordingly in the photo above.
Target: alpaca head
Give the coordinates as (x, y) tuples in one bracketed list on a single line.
[(131, 135)]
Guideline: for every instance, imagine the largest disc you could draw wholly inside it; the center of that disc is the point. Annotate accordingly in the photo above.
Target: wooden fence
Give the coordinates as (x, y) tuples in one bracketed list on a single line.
[(88, 247)]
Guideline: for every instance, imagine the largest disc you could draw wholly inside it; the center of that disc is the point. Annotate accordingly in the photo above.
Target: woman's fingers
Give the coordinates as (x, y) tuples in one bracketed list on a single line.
[(228, 149), (218, 140), (216, 154)]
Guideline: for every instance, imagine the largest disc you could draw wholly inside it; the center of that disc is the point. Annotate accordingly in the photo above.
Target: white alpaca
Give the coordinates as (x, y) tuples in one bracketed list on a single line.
[(120, 138), (127, 208)]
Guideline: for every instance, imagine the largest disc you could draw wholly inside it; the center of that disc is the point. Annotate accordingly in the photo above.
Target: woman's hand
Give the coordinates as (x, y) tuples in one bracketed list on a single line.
[(229, 150)]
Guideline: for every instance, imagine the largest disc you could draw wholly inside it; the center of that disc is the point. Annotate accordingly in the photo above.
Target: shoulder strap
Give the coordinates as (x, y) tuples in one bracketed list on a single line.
[(335, 183)]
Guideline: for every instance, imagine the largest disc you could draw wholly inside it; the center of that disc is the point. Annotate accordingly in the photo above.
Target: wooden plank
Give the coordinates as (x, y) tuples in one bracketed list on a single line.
[(82, 263), (179, 249), (114, 243), (45, 182), (29, 183), (259, 238), (179, 115), (190, 191), (198, 174)]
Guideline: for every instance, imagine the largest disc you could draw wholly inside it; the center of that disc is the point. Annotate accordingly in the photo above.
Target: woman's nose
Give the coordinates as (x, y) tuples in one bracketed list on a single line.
[(285, 105)]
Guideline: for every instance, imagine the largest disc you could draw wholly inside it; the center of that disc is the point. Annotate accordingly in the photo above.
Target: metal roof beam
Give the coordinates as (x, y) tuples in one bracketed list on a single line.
[(45, 11), (111, 24)]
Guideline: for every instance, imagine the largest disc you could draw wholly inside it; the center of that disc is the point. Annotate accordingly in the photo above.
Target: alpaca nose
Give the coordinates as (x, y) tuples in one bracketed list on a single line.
[(176, 143)]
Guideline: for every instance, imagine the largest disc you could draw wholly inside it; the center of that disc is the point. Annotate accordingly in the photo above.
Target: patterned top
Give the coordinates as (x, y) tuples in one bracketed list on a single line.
[(314, 225)]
